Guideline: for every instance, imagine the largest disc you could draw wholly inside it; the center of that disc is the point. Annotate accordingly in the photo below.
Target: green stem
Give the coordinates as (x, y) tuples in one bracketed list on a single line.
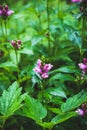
[(2, 28), (17, 64), (2, 127), (5, 23), (48, 21)]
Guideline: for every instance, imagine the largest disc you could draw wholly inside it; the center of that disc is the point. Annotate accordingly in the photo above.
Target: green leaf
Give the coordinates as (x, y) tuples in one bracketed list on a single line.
[(14, 57), (36, 39), (58, 119), (26, 51), (11, 100), (55, 110), (74, 102), (58, 91), (62, 117), (62, 77), (34, 109), (7, 64), (47, 124), (66, 69)]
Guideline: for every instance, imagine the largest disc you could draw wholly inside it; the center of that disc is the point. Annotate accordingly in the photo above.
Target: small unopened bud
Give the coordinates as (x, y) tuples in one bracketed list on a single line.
[(6, 7), (19, 42)]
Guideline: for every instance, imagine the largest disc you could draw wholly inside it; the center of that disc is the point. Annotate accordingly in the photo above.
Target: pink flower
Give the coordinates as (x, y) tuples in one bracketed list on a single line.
[(47, 67), (0, 12), (42, 69), (83, 110), (16, 44), (85, 61), (82, 66), (39, 62), (37, 70), (5, 12), (44, 75), (9, 12), (76, 1), (80, 112)]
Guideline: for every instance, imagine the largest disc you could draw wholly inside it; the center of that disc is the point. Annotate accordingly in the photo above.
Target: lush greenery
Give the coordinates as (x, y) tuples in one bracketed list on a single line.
[(41, 83)]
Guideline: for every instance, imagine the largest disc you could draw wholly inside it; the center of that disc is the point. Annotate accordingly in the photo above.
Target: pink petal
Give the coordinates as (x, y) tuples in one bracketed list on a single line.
[(47, 67), (85, 60), (0, 12), (9, 12), (76, 1), (44, 75), (37, 69), (82, 66), (80, 112), (39, 62)]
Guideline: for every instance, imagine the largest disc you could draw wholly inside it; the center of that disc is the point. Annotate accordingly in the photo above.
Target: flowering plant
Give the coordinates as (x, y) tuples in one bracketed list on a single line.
[(16, 44), (5, 12), (40, 93), (42, 69)]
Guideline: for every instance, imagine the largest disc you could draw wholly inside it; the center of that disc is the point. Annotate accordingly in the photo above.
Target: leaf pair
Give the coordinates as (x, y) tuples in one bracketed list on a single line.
[(36, 111)]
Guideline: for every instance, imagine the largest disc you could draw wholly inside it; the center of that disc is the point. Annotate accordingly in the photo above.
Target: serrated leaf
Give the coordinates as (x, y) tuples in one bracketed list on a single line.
[(74, 102), (62, 117), (58, 119), (34, 109), (11, 100)]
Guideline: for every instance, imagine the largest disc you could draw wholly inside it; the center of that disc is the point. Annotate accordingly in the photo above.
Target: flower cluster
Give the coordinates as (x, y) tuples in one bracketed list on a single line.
[(84, 1), (42, 69), (16, 44), (83, 110), (76, 1), (5, 12), (83, 66)]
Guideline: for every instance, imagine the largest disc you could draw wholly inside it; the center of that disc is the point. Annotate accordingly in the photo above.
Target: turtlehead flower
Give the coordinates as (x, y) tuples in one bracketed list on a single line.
[(80, 112), (83, 66), (47, 67), (16, 44), (39, 62), (44, 75), (5, 12), (42, 69), (76, 1), (83, 110)]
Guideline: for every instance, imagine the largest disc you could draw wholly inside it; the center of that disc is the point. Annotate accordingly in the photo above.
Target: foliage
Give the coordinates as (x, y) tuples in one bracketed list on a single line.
[(53, 33), (11, 100)]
